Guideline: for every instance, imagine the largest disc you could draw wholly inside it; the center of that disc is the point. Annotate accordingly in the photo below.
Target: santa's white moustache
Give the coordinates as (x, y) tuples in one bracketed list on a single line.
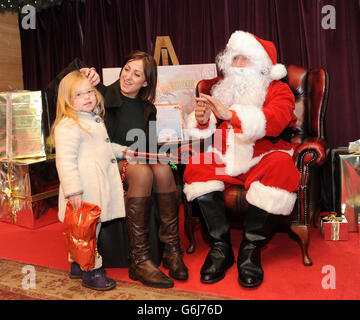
[(242, 86)]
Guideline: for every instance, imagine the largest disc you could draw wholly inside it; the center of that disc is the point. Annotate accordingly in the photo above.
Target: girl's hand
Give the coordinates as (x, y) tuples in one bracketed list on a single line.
[(119, 150), (75, 201), (129, 155), (216, 106), (92, 75)]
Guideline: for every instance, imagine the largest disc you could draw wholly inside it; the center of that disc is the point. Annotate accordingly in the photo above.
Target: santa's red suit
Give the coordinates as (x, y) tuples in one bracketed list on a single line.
[(250, 150)]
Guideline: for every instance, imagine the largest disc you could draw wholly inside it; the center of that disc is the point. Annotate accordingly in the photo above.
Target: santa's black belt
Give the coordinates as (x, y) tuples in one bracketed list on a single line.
[(285, 135)]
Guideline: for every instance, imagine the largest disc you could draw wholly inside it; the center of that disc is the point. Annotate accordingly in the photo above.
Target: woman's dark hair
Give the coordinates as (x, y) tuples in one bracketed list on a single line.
[(147, 93)]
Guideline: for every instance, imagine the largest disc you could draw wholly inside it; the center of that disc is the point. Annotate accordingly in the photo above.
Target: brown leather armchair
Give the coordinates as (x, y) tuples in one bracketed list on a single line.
[(310, 88)]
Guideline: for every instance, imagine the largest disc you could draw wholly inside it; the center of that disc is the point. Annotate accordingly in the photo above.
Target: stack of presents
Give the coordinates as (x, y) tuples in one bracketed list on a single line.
[(29, 184)]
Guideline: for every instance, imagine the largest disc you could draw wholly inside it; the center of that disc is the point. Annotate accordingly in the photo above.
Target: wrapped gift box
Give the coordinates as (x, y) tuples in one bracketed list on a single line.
[(346, 184), (334, 227), (21, 125), (29, 192)]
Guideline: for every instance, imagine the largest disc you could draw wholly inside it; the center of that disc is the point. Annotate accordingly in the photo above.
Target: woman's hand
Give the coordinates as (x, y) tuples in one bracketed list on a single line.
[(92, 75), (215, 106), (75, 201)]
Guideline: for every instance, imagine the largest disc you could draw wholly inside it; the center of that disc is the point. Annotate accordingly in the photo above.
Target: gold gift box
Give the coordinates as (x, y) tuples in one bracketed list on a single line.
[(21, 126), (334, 227), (29, 192)]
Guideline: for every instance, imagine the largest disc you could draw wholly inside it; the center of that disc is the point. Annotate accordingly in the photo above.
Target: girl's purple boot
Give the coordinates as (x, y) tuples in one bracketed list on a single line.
[(75, 271), (97, 280)]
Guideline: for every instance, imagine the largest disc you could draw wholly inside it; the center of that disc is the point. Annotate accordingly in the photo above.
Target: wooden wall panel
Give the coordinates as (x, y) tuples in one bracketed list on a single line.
[(10, 53)]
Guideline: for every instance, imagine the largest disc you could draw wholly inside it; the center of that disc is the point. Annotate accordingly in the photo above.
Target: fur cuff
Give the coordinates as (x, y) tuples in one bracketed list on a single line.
[(253, 122), (271, 199), (197, 189), (195, 132)]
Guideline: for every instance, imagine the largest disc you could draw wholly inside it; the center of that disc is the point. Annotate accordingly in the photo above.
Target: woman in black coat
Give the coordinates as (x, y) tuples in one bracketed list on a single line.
[(130, 109)]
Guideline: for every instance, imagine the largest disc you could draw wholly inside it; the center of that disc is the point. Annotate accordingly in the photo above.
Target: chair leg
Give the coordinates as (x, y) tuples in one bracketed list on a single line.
[(190, 224), (303, 234)]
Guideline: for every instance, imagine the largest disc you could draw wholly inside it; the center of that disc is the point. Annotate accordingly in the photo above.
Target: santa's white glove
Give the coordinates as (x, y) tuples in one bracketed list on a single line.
[(119, 150)]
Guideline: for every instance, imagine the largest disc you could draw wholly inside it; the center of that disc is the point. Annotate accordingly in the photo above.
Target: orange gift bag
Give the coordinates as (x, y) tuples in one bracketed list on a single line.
[(80, 233)]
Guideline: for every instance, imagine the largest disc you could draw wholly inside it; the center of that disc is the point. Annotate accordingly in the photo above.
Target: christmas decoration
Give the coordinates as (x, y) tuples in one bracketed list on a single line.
[(16, 5)]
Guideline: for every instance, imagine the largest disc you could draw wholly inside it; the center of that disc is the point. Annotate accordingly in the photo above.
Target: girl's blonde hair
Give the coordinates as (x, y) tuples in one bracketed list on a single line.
[(64, 106)]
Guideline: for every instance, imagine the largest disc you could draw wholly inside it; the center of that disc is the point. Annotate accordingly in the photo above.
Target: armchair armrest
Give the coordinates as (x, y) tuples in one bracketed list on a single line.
[(312, 151)]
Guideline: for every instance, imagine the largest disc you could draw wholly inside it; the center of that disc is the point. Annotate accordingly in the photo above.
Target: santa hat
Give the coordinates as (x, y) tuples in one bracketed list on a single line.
[(257, 50)]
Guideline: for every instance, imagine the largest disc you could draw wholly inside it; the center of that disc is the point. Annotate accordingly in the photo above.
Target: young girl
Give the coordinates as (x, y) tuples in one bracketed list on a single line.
[(86, 164)]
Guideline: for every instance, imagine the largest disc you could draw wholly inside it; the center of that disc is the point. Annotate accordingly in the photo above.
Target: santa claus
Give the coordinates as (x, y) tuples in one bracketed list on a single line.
[(250, 115)]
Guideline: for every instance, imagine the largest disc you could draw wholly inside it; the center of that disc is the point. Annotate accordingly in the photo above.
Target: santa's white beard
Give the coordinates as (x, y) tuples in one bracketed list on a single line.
[(242, 86)]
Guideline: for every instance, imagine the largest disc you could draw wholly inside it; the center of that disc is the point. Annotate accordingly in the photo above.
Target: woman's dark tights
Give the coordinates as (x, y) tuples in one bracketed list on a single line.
[(141, 178)]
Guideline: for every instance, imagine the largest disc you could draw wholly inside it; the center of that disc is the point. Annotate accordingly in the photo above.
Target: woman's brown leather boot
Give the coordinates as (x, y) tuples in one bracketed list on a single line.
[(141, 267), (169, 235)]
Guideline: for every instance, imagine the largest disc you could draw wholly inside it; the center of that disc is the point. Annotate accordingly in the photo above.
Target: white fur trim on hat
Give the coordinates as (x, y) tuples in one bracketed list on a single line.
[(271, 199), (195, 132), (278, 72), (197, 189), (244, 43)]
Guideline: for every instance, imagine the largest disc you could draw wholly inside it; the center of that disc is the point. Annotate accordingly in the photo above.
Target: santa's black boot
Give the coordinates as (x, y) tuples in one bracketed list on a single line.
[(214, 221), (258, 229)]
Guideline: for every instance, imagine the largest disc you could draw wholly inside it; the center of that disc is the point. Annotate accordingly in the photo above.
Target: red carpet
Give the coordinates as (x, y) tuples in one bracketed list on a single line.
[(285, 276)]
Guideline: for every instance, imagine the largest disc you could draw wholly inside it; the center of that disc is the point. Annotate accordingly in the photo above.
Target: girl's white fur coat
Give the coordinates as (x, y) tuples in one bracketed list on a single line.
[(86, 165)]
